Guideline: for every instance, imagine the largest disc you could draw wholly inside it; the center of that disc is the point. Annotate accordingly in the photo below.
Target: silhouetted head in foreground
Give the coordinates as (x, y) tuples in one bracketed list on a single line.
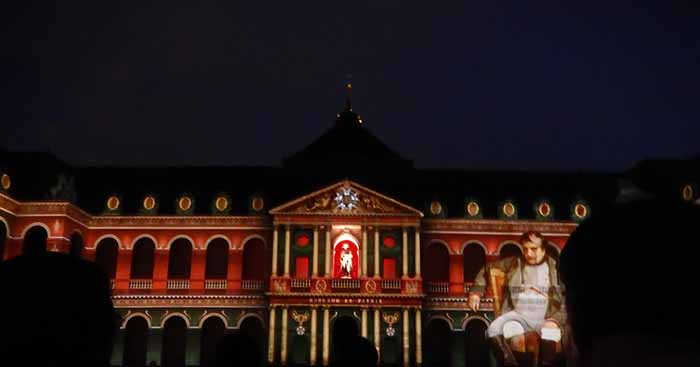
[(629, 275), (57, 311), (355, 351), (237, 349)]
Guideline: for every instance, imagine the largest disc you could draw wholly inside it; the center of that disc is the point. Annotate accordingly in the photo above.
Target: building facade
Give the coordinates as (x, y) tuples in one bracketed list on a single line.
[(282, 253)]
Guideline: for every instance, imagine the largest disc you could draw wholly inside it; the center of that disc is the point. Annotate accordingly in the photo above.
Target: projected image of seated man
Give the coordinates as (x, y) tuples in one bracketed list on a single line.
[(528, 304)]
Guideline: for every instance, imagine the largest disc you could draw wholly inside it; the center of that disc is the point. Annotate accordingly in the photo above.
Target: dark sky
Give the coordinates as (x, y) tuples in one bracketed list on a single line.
[(471, 85)]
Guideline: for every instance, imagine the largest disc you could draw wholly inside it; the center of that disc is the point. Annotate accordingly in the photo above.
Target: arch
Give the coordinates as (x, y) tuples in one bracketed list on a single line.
[(436, 263), (135, 342), (210, 315), (440, 317), (174, 347), (249, 315), (474, 318), (143, 235), (473, 260), (509, 242), (180, 258), (252, 237), (343, 245), (508, 249), (106, 255), (142, 258), (213, 329), (216, 265), (76, 244), (35, 240), (476, 349), (217, 236), (175, 314), (447, 246), (179, 237), (36, 224), (255, 263), (436, 350), (552, 250), (119, 242), (473, 242), (253, 326), (131, 315), (6, 224)]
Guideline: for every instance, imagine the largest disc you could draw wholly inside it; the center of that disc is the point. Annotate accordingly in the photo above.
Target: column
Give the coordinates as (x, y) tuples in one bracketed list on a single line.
[(283, 342), (417, 252), (419, 340), (314, 268), (404, 254), (377, 333), (327, 272), (376, 252), (287, 236), (406, 357), (364, 252), (326, 330), (364, 322), (274, 252), (312, 357), (271, 337)]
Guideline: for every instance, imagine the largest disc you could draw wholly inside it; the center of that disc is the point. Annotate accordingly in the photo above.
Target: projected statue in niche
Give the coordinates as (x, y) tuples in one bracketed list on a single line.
[(345, 260)]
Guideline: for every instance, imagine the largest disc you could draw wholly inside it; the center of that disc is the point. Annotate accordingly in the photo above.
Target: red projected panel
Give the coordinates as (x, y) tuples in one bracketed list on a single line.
[(301, 269), (389, 269)]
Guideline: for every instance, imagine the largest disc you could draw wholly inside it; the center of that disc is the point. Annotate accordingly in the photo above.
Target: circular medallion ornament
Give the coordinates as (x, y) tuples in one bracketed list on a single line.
[(258, 204), (185, 203), (302, 240), (221, 203), (435, 207), (149, 202), (389, 242), (390, 331), (473, 209), (113, 203), (508, 209), (687, 193), (580, 211), (300, 330), (5, 181), (544, 209), (320, 286), (346, 199), (371, 286)]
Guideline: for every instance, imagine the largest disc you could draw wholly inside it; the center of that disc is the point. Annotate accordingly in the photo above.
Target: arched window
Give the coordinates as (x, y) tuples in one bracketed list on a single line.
[(174, 342), (142, 256), (476, 349), (436, 262), (474, 260), (510, 250), (254, 261), (213, 330), (436, 346), (76, 245), (217, 259), (135, 342), (180, 259), (35, 241), (106, 256), (253, 327)]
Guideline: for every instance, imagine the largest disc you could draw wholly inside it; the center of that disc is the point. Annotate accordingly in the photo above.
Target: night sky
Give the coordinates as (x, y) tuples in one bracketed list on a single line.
[(527, 85)]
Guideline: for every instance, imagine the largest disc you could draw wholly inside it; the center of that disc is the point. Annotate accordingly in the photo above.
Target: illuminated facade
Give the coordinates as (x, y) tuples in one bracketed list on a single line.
[(339, 230)]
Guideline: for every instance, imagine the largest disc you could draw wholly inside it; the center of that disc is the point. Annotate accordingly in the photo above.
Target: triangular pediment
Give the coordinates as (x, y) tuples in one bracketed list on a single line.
[(346, 198)]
